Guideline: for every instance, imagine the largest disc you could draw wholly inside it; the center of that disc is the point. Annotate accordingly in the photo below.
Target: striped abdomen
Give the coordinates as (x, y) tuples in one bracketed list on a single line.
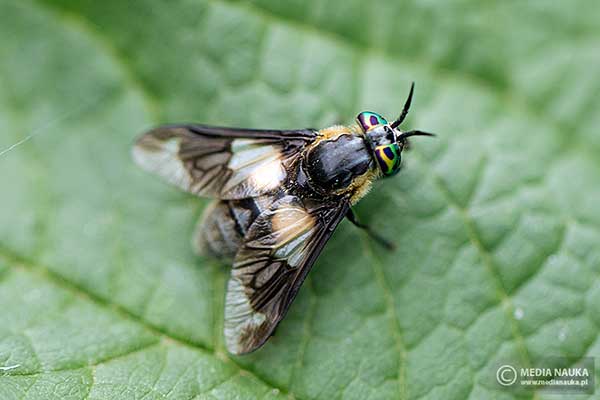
[(224, 223)]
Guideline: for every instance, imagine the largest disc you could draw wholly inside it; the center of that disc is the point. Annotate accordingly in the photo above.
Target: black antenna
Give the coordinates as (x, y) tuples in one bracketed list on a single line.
[(398, 121), (413, 133)]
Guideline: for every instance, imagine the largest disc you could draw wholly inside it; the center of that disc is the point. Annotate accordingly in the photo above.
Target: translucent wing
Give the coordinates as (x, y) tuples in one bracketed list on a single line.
[(277, 253), (224, 163)]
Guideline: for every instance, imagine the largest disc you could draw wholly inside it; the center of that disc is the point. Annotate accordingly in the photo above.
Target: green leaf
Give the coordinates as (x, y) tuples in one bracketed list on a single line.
[(496, 220)]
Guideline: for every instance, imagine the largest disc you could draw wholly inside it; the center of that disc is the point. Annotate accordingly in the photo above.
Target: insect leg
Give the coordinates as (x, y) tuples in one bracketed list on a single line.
[(378, 238)]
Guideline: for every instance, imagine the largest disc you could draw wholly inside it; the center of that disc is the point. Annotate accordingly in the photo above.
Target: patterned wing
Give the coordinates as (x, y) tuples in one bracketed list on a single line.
[(277, 253), (224, 163)]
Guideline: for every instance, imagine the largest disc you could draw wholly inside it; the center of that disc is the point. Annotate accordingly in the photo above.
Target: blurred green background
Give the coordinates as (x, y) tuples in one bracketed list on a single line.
[(497, 220)]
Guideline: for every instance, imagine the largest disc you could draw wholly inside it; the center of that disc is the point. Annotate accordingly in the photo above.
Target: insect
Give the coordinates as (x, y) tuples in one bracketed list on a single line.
[(279, 195)]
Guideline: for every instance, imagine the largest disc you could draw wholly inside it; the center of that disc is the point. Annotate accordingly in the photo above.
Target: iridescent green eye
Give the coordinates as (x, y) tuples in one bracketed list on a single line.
[(388, 157), (369, 120)]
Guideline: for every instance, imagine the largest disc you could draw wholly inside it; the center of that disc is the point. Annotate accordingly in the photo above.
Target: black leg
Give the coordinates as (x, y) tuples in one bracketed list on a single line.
[(379, 239)]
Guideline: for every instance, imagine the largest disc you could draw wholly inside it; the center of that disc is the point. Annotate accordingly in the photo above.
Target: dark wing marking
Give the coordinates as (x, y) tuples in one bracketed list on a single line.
[(226, 163), (277, 253)]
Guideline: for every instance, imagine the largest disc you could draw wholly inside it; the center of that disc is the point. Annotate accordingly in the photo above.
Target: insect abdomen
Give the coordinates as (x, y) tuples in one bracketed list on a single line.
[(224, 224), (333, 164)]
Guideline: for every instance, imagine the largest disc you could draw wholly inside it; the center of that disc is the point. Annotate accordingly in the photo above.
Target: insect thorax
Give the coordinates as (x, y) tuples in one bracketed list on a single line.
[(334, 164)]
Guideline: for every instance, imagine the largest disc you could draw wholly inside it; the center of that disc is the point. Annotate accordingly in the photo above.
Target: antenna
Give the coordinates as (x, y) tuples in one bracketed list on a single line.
[(407, 134), (399, 120)]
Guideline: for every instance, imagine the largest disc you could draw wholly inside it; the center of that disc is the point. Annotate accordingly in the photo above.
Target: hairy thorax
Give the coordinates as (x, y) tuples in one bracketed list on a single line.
[(340, 163)]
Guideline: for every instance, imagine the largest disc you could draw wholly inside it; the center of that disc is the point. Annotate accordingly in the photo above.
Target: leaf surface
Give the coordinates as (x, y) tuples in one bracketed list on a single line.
[(496, 221)]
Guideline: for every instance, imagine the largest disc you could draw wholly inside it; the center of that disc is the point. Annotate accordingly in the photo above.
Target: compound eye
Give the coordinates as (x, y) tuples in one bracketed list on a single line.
[(369, 120), (388, 158)]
